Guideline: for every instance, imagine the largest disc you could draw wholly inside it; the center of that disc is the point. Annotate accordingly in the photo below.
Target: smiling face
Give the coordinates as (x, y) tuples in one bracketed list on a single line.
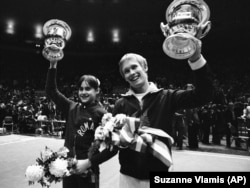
[(135, 74), (87, 94)]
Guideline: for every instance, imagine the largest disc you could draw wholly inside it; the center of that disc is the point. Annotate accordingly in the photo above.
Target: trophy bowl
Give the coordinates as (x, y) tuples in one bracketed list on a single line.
[(186, 20), (56, 33)]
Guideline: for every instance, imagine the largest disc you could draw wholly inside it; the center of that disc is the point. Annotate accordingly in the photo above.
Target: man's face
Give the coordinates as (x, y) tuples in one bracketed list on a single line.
[(134, 73), (86, 93)]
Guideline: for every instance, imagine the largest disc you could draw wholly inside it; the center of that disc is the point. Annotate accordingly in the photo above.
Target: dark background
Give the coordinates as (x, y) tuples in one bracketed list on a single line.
[(226, 47)]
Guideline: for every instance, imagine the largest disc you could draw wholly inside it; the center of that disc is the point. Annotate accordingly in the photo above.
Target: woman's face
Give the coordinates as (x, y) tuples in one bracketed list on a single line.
[(134, 73), (86, 93)]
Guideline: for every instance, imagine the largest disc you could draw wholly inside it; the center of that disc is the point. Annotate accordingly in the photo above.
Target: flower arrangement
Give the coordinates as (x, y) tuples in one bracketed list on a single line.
[(133, 133), (50, 167), (107, 127), (107, 135)]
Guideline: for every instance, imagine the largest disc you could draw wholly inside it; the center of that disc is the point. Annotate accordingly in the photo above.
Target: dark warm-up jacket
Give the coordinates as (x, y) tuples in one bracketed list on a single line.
[(159, 105), (81, 122)]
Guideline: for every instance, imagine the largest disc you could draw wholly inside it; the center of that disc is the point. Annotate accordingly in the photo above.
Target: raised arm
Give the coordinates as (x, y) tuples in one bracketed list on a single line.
[(202, 93), (52, 91)]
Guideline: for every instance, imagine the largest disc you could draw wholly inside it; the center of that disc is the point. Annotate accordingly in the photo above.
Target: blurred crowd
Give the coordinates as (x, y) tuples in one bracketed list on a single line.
[(207, 124)]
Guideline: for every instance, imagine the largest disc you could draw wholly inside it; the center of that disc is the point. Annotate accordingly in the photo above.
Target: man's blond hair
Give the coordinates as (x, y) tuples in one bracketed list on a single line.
[(141, 60)]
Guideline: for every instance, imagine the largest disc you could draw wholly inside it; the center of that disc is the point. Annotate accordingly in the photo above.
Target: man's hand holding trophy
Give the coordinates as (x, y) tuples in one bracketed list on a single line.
[(187, 21), (56, 32)]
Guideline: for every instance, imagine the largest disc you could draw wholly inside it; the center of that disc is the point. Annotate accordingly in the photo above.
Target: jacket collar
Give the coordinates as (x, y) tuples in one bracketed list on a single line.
[(151, 89), (88, 105)]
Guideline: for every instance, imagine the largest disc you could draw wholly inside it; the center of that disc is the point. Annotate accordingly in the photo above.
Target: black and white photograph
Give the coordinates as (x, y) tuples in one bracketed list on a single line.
[(124, 93)]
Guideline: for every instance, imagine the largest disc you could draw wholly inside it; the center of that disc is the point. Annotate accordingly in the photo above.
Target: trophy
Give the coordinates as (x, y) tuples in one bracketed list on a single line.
[(56, 32), (186, 20)]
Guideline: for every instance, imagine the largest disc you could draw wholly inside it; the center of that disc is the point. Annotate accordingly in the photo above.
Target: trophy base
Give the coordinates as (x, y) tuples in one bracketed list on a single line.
[(179, 46), (52, 55)]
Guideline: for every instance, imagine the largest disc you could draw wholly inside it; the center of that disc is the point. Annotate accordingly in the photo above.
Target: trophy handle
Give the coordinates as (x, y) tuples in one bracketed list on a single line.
[(164, 29), (205, 28)]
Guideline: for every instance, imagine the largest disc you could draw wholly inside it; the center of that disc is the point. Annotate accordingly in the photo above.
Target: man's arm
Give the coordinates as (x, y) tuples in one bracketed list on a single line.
[(202, 93)]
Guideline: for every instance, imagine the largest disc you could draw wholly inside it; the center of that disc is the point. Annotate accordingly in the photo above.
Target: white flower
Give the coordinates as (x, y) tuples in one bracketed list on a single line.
[(99, 133), (34, 173), (106, 117), (63, 152), (59, 167), (47, 153), (109, 126)]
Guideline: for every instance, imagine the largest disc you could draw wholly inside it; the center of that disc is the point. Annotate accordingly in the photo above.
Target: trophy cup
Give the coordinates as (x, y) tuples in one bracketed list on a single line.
[(186, 20), (56, 32)]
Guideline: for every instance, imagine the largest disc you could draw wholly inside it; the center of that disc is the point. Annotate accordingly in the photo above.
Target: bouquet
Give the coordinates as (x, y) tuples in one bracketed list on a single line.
[(108, 134), (107, 127), (133, 133), (50, 167)]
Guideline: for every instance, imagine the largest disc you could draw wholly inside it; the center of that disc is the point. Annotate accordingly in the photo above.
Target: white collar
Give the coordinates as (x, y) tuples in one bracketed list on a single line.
[(151, 89)]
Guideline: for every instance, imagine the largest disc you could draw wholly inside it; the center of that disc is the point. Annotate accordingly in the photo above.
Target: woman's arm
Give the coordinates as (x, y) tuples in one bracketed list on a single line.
[(52, 91)]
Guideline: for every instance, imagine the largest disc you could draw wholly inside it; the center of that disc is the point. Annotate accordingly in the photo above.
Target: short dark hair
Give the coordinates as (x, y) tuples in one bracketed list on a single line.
[(91, 80)]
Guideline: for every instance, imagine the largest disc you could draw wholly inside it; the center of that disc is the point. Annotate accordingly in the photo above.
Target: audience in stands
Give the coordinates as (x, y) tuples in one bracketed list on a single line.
[(25, 101)]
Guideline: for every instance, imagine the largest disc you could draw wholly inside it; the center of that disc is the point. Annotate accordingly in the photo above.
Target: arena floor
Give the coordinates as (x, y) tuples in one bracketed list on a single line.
[(18, 152)]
